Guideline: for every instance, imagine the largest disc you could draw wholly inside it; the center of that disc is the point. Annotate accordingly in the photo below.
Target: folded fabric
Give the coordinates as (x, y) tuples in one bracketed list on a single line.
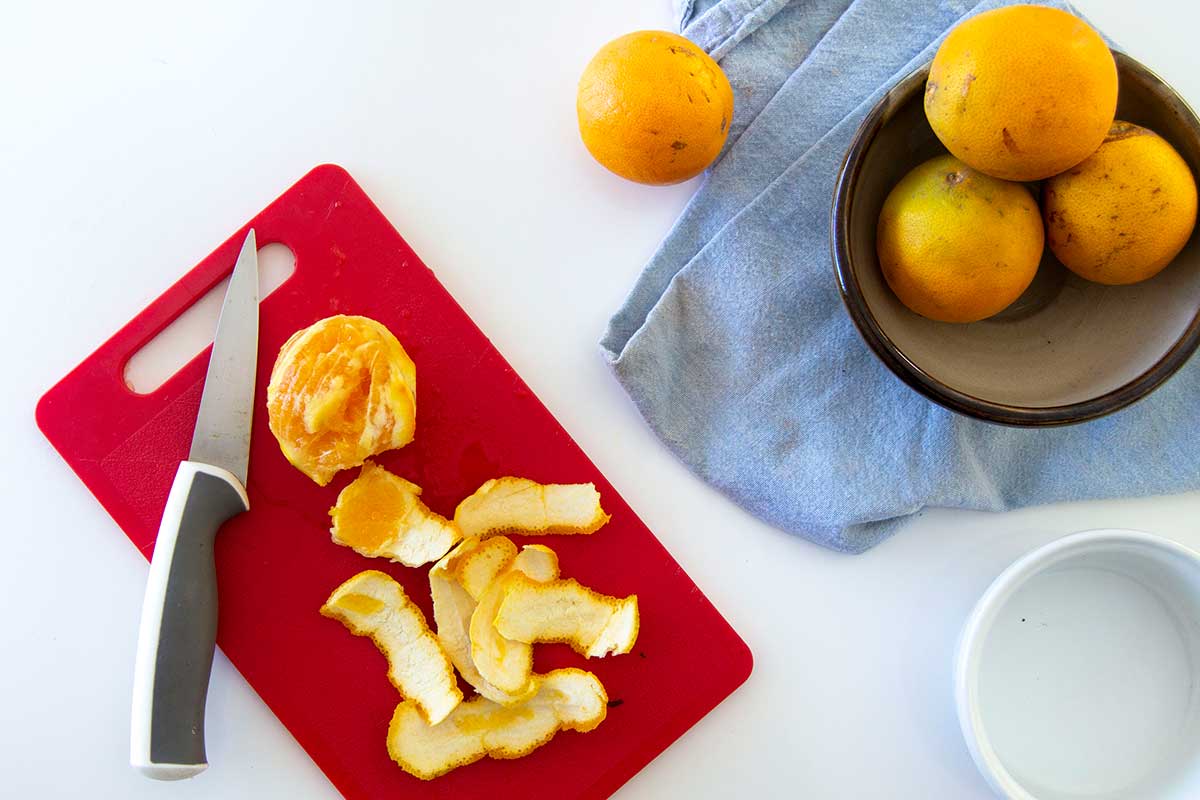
[(758, 57), (736, 348)]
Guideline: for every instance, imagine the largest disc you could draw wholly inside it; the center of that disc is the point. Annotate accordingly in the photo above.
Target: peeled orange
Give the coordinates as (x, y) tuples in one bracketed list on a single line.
[(342, 390)]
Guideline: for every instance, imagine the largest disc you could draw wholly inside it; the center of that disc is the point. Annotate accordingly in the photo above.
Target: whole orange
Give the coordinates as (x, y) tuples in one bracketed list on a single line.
[(1022, 92), (1124, 213), (654, 108), (956, 245)]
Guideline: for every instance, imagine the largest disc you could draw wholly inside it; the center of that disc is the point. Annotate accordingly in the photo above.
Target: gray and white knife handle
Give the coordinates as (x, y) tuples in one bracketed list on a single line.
[(179, 624)]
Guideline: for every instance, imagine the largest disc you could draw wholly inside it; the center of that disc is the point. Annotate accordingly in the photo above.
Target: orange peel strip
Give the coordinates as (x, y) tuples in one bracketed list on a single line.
[(455, 583), (564, 699), (373, 604), (519, 505), (380, 515), (475, 563), (458, 580), (505, 665), (593, 624)]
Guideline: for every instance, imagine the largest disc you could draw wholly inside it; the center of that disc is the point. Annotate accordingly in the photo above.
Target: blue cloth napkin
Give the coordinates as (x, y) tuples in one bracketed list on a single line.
[(737, 350)]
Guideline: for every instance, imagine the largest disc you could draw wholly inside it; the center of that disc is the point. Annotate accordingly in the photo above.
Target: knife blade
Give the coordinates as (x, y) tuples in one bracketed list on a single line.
[(222, 436), (178, 630)]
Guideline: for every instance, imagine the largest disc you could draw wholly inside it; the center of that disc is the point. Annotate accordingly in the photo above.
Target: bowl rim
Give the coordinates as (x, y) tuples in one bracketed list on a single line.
[(917, 378), (979, 623)]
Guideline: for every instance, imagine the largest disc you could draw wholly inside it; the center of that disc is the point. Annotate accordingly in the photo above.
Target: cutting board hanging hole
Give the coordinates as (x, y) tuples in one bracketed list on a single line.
[(192, 331)]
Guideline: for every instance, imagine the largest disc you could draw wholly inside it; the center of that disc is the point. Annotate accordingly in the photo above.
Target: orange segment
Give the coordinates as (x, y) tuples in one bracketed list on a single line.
[(342, 389), (381, 515)]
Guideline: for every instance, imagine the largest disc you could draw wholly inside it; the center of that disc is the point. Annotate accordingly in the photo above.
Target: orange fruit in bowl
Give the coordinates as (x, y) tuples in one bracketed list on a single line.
[(342, 390), (1124, 213), (956, 245), (654, 108), (1022, 92)]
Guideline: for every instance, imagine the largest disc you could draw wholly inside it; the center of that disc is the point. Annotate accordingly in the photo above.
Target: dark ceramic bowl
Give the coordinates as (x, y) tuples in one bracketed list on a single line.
[(1067, 350)]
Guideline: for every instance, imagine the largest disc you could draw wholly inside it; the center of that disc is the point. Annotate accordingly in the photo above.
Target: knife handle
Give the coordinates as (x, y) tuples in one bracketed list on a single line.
[(178, 631)]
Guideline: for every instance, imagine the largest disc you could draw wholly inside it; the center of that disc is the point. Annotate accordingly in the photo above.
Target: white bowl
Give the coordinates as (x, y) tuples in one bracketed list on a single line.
[(1078, 672)]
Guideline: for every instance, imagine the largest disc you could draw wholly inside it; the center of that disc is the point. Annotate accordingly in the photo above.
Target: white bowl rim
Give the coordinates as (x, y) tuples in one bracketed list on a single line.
[(983, 615)]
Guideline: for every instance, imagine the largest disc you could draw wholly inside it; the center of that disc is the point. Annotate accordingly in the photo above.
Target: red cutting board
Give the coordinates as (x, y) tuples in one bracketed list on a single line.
[(476, 419)]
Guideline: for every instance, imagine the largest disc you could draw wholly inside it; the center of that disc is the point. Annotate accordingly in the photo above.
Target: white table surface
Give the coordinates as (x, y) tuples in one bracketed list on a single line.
[(136, 137)]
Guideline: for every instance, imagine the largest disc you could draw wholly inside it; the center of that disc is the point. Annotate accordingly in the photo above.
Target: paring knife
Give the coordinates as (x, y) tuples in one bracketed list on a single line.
[(178, 631)]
